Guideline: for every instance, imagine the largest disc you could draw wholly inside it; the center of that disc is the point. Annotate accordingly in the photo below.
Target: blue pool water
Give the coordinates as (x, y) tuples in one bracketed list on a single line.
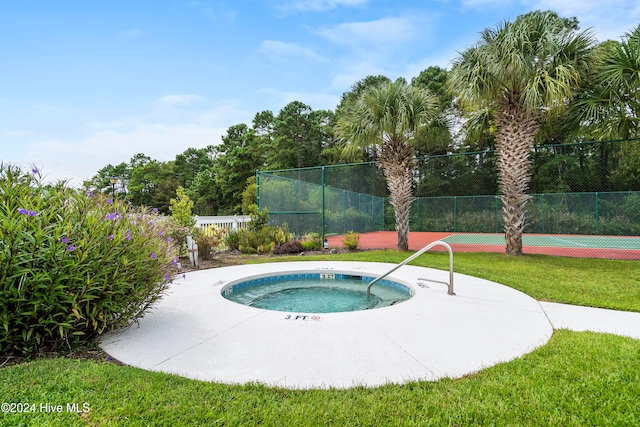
[(308, 293)]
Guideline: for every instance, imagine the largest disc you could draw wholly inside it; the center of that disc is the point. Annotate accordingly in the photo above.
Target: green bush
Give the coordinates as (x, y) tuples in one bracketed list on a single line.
[(232, 240), (262, 241), (73, 264), (312, 242), (208, 241), (260, 236), (351, 240), (178, 234), (180, 208)]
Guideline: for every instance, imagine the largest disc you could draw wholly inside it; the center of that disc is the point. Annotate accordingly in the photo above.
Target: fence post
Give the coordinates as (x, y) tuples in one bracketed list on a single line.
[(258, 188), (344, 210), (597, 215), (455, 213), (496, 218), (322, 225), (192, 250), (542, 208)]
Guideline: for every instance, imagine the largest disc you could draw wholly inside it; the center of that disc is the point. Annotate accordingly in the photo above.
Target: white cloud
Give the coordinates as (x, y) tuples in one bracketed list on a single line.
[(217, 13), (320, 5), (81, 159), (392, 30), (177, 122), (609, 20), (276, 49), (484, 3)]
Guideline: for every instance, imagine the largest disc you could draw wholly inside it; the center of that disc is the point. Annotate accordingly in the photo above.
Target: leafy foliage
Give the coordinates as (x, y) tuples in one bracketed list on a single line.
[(312, 242), (73, 264), (385, 119), (181, 209), (523, 71), (290, 247), (208, 241), (259, 236), (218, 178), (351, 240)]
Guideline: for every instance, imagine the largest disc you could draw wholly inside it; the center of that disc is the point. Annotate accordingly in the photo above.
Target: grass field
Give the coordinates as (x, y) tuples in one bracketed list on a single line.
[(577, 379)]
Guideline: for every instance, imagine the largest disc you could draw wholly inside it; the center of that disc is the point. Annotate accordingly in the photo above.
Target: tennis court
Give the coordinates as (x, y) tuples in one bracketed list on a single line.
[(580, 246)]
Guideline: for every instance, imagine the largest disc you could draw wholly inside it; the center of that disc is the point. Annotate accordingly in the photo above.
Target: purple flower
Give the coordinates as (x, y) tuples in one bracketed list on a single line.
[(161, 233), (71, 248), (23, 211), (31, 213), (151, 222), (128, 236), (109, 201), (169, 239), (153, 255), (110, 236), (155, 210), (166, 276), (35, 171), (64, 240), (175, 261), (89, 193)]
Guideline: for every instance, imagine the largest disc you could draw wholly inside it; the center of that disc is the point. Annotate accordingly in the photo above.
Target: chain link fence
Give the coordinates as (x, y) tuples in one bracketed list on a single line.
[(585, 189), (319, 200)]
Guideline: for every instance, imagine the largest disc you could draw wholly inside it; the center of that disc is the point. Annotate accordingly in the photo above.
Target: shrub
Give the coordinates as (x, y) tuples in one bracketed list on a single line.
[(262, 241), (259, 236), (312, 242), (290, 247), (350, 240), (258, 218), (232, 240), (181, 209), (178, 234), (73, 264), (208, 241)]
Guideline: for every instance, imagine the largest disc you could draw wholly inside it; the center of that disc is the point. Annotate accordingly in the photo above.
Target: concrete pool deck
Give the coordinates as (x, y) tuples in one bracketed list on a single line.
[(196, 333)]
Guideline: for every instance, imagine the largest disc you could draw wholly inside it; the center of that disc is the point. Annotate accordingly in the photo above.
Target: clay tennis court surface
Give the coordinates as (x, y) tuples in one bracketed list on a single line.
[(609, 247)]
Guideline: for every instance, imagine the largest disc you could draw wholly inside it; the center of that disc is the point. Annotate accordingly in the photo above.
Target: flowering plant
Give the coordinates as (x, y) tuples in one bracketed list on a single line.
[(73, 264), (350, 240)]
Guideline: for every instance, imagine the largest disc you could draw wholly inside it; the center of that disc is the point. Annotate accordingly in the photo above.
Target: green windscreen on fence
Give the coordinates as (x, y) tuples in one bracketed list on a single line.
[(600, 213), (576, 189), (321, 200)]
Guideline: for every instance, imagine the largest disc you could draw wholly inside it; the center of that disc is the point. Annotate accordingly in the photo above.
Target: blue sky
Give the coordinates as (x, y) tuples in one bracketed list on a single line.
[(87, 83)]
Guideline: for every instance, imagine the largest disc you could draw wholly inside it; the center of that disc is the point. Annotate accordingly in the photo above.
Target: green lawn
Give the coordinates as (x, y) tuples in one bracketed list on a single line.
[(577, 379)]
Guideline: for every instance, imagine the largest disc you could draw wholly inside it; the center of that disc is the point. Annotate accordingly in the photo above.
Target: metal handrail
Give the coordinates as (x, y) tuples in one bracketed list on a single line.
[(414, 256)]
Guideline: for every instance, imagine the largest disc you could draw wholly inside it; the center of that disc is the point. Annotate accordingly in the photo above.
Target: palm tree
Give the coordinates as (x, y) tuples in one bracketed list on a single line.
[(386, 118), (523, 71), (612, 104)]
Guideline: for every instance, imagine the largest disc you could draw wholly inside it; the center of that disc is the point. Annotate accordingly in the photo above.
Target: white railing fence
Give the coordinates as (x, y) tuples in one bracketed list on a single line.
[(227, 222)]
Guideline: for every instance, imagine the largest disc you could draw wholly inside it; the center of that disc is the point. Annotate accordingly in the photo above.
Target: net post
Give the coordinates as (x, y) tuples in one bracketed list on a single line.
[(258, 187), (597, 215), (323, 201)]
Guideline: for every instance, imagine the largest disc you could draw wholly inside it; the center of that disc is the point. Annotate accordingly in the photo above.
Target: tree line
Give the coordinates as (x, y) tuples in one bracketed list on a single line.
[(603, 106)]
